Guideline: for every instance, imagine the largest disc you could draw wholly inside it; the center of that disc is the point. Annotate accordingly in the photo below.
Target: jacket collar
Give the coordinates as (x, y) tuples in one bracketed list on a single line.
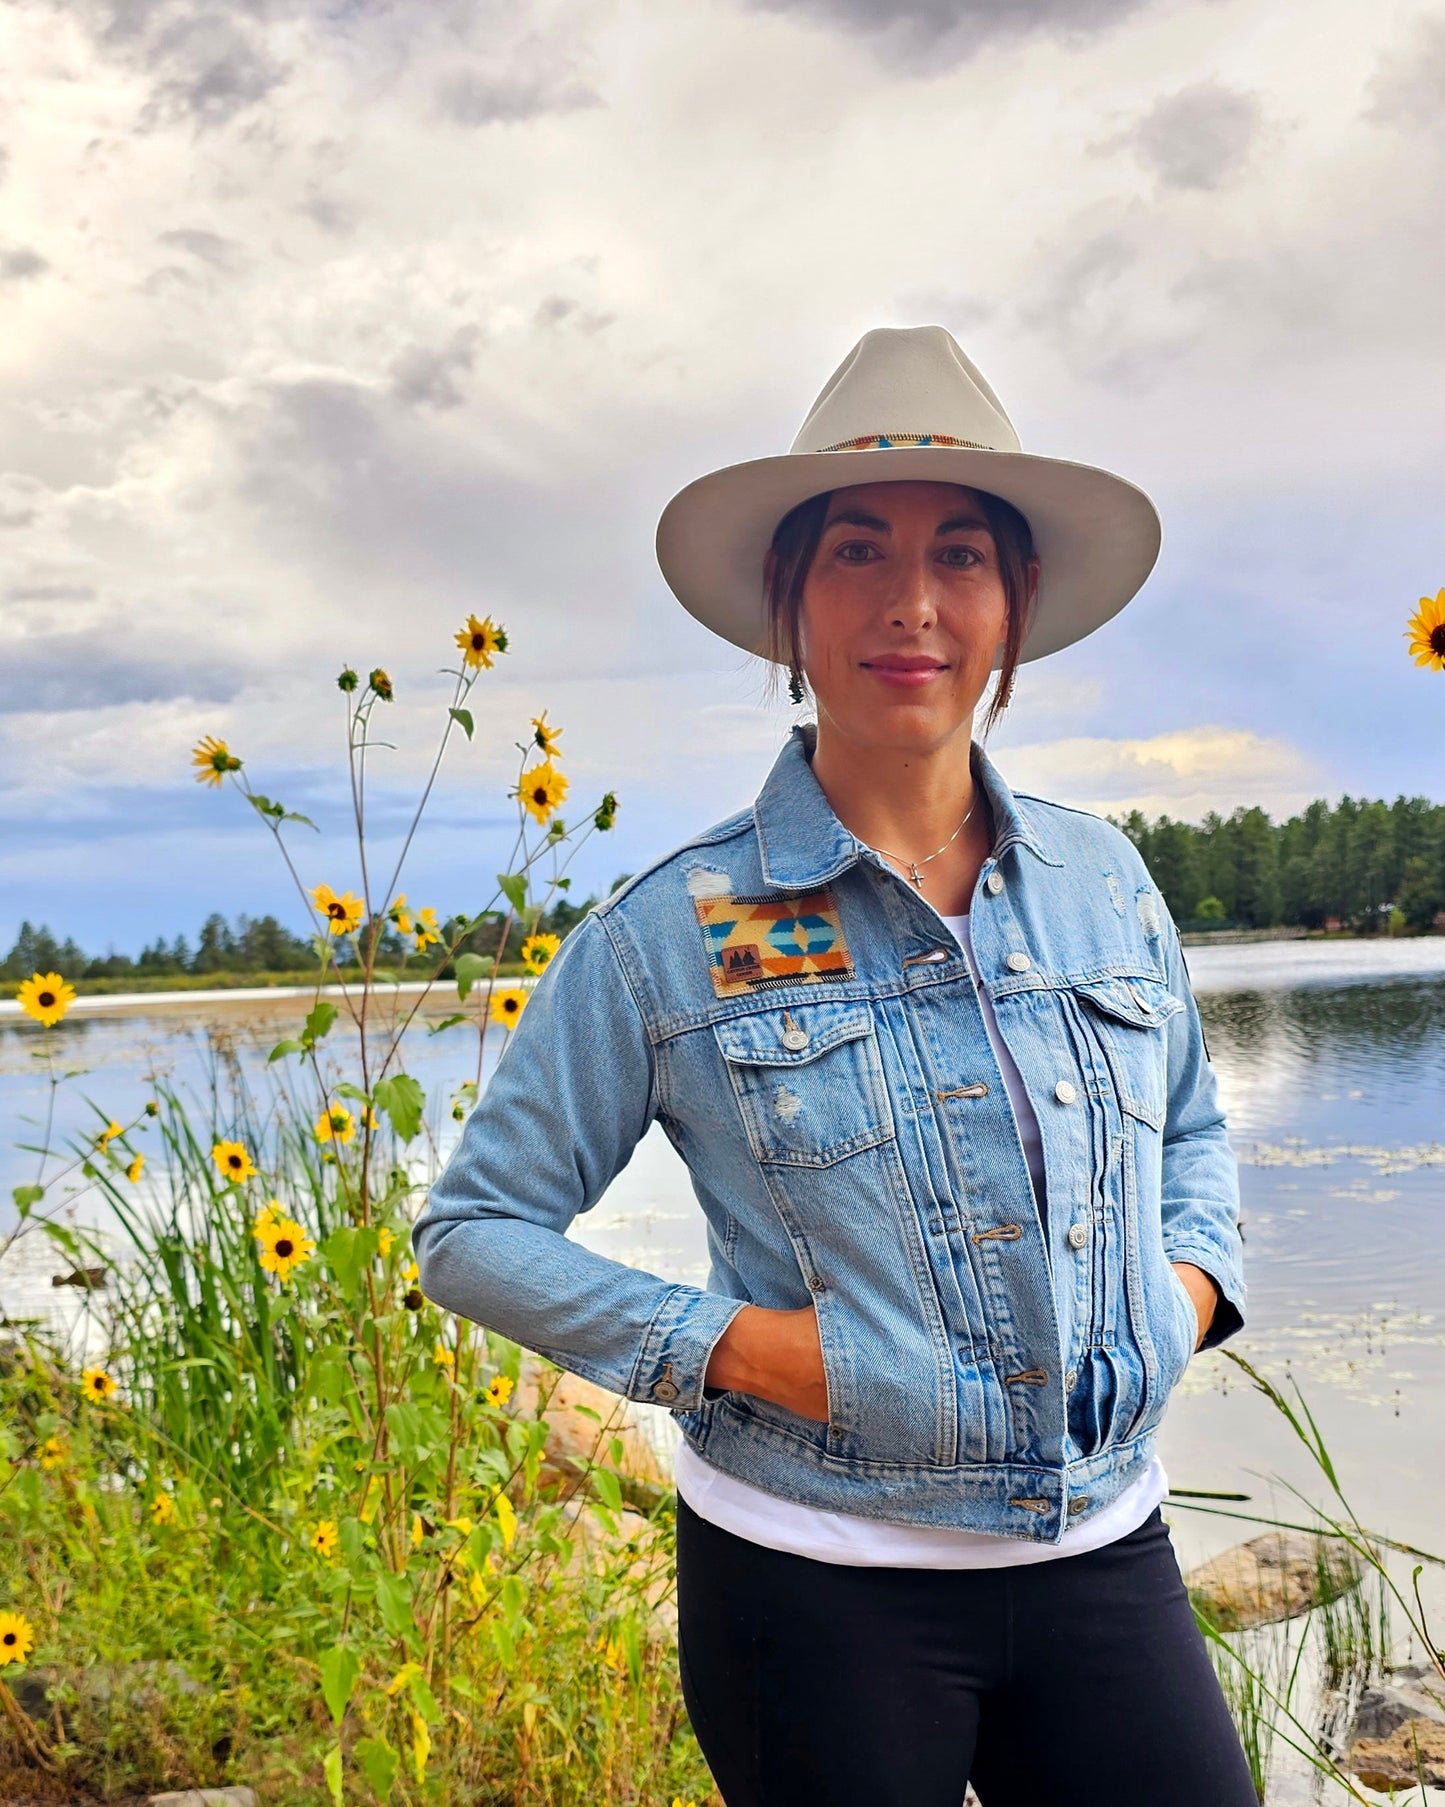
[(803, 844)]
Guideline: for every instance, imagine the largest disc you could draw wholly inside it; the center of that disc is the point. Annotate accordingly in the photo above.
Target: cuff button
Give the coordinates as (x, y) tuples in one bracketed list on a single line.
[(665, 1390)]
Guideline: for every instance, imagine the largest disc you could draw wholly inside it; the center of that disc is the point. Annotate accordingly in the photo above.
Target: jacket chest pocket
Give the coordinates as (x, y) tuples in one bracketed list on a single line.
[(809, 1082), (1129, 1018)]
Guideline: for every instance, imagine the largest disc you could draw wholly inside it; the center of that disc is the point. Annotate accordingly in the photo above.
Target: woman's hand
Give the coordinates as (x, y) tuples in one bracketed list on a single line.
[(1202, 1291), (776, 1355)]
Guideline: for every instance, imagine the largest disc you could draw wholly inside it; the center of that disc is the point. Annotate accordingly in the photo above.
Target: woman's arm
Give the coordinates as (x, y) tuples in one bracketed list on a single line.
[(1200, 1196), (573, 1092)]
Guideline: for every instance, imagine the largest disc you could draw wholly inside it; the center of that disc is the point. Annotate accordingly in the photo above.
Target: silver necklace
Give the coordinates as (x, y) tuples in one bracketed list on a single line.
[(913, 865)]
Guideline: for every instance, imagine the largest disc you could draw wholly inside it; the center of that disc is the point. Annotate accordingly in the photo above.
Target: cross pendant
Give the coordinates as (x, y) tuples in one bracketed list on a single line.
[(913, 873)]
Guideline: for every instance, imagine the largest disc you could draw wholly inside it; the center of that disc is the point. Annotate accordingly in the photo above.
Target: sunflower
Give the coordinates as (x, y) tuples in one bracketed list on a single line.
[(342, 913), (17, 1638), (542, 788), (325, 1538), (479, 640), (444, 1357), (508, 1005), (46, 997), (385, 1241), (537, 951), (163, 1509), (272, 1212), (53, 1452), (399, 914), (545, 737), (284, 1246), (335, 1124), (381, 684), (96, 1384), (212, 759), (410, 1272), (426, 929), (498, 1390), (108, 1135), (235, 1164), (1426, 632), (136, 1168)]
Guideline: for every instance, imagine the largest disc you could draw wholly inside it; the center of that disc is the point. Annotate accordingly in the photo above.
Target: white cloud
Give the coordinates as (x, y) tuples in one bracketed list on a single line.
[(1183, 773)]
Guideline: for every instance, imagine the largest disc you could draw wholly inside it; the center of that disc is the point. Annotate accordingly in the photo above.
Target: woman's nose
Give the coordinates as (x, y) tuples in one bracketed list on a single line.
[(912, 603)]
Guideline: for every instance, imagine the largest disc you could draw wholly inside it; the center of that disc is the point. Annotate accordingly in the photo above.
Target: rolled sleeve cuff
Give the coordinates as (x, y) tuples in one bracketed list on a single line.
[(678, 1346), (1229, 1283)]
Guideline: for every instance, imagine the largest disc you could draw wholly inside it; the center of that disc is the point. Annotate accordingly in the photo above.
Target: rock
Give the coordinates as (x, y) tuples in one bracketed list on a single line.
[(1416, 1692), (1414, 1752), (1400, 1729), (103, 1688), (205, 1797), (1276, 1576), (573, 1437)]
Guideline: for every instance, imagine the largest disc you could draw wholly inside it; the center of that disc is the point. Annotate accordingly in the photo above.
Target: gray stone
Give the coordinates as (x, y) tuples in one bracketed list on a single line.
[(205, 1797), (1399, 1732)]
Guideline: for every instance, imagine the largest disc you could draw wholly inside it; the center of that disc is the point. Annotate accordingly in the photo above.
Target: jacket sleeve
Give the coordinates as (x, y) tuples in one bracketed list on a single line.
[(573, 1091), (1200, 1200)]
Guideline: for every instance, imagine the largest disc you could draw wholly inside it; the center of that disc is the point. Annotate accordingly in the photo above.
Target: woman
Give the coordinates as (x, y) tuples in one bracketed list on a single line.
[(929, 1051)]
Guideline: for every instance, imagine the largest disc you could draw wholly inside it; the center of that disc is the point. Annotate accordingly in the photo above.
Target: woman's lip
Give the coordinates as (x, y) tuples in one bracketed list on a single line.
[(906, 677)]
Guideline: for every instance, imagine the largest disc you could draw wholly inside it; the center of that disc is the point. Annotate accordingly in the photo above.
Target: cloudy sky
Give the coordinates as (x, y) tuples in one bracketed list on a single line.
[(325, 324)]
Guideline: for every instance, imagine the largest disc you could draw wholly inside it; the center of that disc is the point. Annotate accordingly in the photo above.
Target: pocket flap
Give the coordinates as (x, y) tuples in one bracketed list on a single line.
[(793, 1036), (1144, 1002)]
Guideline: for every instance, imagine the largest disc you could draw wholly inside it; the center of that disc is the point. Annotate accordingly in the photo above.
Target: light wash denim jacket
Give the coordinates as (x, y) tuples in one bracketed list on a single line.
[(805, 1028)]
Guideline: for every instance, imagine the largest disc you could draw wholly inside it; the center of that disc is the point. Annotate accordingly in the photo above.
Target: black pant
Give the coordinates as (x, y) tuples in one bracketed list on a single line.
[(1078, 1682)]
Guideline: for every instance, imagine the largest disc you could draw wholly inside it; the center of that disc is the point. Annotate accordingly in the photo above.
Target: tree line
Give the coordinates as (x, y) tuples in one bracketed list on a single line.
[(1369, 866), (254, 945)]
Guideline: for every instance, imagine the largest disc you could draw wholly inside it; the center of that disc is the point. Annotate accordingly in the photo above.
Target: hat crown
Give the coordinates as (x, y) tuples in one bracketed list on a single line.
[(906, 381)]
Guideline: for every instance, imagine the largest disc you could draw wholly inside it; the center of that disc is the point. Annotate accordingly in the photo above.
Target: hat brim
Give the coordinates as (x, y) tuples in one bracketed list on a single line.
[(1097, 535)]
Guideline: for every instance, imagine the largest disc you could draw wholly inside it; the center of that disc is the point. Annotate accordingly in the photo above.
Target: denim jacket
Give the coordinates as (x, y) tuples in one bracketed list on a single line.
[(804, 1026)]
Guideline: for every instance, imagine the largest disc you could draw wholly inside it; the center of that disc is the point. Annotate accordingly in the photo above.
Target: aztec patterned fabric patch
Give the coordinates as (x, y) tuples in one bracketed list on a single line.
[(757, 943)]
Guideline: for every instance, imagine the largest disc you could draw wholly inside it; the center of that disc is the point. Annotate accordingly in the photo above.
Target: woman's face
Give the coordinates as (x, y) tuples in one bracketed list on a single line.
[(903, 613)]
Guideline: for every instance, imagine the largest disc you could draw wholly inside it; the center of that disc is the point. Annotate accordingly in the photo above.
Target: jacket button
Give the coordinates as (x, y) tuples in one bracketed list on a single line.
[(1065, 1092), (795, 1040), (1078, 1235), (1078, 1503), (1018, 963), (994, 881), (1071, 1380), (665, 1390)]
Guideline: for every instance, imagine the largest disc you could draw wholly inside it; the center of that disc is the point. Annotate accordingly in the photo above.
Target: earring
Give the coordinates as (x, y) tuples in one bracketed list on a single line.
[(795, 685)]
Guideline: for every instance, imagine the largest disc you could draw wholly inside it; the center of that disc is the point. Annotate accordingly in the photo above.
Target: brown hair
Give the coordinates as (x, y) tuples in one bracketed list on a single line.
[(795, 544)]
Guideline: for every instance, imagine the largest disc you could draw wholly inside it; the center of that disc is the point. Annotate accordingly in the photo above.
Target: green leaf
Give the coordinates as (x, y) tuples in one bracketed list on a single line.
[(348, 1252), (422, 1697), (263, 806), (514, 888), (379, 1764), (347, 1090), (26, 1197), (393, 1602), (468, 969), (609, 1490), (282, 1049), (331, 1769), (404, 1101), (463, 719), (339, 1670), (295, 816), (447, 1022), (320, 1018)]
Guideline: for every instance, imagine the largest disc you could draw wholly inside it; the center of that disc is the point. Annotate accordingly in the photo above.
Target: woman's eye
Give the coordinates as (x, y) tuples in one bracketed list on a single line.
[(855, 552), (962, 556)]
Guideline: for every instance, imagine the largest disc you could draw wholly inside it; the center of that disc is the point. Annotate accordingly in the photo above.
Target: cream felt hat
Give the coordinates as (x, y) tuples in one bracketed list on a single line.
[(907, 404)]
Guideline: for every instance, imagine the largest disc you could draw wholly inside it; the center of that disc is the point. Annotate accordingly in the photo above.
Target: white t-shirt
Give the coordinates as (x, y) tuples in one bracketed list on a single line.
[(843, 1537)]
